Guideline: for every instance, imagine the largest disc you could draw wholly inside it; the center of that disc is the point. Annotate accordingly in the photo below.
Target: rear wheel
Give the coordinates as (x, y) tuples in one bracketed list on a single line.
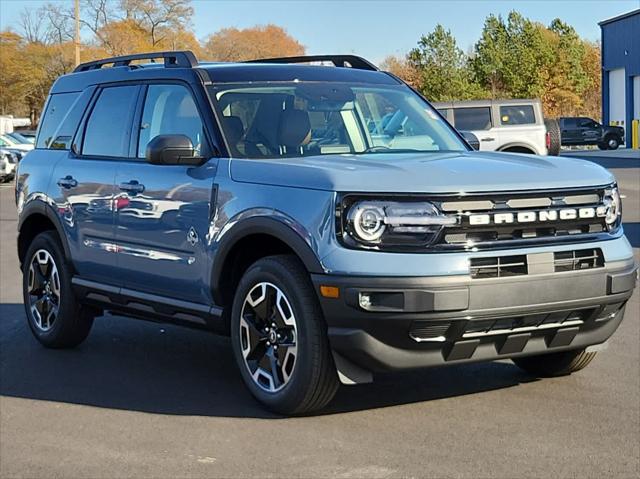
[(279, 337), (54, 315), (555, 364)]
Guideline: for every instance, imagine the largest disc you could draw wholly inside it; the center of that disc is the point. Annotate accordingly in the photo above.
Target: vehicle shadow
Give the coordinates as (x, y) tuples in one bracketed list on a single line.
[(139, 366)]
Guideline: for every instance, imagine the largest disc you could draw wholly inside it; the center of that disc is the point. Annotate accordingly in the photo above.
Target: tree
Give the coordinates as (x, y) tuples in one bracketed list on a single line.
[(491, 56), (442, 67), (401, 67), (592, 66), (232, 44), (158, 17)]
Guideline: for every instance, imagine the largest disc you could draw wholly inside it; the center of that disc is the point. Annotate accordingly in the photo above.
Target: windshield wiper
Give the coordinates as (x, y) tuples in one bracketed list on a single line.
[(386, 149)]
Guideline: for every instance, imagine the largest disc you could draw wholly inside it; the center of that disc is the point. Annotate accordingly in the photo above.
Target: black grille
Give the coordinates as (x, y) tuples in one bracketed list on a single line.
[(498, 267), (578, 259)]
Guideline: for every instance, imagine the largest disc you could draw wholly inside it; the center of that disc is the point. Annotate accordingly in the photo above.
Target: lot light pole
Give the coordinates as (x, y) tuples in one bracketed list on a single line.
[(77, 36)]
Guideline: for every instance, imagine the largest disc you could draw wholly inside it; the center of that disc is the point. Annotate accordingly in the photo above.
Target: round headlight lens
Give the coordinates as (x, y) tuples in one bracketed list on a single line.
[(614, 206), (367, 222)]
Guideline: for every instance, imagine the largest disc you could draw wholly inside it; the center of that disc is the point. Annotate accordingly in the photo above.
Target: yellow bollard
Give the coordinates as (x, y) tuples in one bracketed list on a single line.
[(635, 134)]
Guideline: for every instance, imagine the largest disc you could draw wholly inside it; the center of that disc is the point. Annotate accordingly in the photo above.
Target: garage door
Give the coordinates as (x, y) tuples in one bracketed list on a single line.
[(636, 97), (616, 96)]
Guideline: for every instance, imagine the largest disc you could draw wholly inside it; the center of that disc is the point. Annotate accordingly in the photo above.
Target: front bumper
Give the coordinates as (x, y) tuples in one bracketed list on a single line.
[(380, 324)]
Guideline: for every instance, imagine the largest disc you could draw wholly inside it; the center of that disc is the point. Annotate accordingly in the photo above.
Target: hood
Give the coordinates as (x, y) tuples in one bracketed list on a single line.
[(423, 172)]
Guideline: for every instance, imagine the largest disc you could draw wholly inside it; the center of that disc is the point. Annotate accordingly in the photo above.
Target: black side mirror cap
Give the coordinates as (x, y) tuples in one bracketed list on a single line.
[(471, 139), (172, 150)]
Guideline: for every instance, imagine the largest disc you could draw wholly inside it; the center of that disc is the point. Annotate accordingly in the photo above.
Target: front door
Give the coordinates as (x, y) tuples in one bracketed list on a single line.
[(162, 211), (590, 132)]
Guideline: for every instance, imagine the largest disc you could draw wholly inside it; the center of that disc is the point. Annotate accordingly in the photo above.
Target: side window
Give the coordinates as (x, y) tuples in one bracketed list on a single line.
[(169, 110), (587, 123), (517, 115), (467, 119), (57, 108), (108, 129)]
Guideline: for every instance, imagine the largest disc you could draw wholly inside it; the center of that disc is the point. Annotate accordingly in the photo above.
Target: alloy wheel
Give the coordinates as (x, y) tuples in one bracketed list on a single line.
[(44, 290), (268, 337)]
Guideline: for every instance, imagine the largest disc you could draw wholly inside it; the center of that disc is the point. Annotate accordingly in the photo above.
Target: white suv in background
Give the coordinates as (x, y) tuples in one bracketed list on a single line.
[(8, 162), (515, 126)]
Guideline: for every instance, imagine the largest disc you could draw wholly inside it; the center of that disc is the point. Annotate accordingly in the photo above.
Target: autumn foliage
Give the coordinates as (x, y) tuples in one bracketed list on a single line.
[(42, 48), (514, 57)]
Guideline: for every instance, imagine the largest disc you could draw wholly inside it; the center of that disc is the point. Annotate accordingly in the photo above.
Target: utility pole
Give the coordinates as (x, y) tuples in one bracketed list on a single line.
[(77, 37)]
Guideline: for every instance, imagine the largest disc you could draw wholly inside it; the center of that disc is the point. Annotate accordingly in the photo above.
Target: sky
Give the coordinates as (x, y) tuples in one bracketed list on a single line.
[(373, 28)]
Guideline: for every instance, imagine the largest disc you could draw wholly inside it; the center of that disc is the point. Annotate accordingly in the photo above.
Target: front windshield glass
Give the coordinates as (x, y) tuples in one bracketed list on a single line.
[(304, 119)]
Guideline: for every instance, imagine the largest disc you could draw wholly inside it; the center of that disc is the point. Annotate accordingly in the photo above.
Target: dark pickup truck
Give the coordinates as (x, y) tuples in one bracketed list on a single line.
[(585, 131)]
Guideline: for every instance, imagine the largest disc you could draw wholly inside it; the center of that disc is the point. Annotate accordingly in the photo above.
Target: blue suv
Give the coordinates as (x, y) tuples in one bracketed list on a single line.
[(327, 218)]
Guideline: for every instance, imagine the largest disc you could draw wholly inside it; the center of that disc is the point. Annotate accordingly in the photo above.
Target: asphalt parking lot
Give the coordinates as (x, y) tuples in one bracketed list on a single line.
[(148, 400)]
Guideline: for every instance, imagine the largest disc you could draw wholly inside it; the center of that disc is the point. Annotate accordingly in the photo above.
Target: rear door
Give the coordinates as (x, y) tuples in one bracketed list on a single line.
[(83, 179), (163, 211), (478, 121)]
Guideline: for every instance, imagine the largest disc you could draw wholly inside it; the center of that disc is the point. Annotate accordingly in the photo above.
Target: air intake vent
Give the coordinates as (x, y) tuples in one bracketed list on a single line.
[(578, 260), (499, 267), (431, 331)]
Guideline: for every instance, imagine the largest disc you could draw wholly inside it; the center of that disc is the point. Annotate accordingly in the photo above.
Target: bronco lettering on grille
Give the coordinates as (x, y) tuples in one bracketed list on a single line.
[(564, 214)]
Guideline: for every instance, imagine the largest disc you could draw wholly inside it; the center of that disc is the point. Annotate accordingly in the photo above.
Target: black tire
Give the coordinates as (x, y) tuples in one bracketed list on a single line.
[(555, 364), (553, 128), (603, 146), (312, 382), (73, 321), (612, 142)]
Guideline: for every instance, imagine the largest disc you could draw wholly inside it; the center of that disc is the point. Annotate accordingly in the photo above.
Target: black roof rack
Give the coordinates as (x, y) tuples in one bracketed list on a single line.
[(351, 61), (179, 59)]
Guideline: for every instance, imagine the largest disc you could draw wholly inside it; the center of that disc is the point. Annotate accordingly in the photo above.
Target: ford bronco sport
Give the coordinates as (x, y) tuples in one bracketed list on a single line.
[(327, 218)]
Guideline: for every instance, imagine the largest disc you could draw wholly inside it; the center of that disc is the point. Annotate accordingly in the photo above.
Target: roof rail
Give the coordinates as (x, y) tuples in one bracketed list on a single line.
[(179, 59), (347, 61)]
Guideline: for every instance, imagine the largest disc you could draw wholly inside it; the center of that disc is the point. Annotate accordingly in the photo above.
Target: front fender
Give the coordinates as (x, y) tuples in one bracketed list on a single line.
[(269, 222)]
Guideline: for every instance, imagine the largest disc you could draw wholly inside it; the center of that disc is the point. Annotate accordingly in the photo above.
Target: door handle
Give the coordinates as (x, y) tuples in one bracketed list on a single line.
[(488, 139), (132, 187), (67, 182)]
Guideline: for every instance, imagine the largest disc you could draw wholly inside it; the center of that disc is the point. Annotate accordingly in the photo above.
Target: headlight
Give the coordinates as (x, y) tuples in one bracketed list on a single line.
[(392, 223), (613, 204), (368, 221)]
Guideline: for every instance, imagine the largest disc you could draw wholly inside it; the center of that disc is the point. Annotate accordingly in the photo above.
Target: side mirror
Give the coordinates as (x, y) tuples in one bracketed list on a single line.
[(172, 150), (471, 139)]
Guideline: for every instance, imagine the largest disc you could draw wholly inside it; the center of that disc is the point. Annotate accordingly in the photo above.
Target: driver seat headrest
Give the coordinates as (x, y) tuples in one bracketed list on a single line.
[(294, 127)]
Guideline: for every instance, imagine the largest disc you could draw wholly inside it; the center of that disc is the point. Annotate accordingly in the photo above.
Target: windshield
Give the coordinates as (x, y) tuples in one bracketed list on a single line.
[(305, 119)]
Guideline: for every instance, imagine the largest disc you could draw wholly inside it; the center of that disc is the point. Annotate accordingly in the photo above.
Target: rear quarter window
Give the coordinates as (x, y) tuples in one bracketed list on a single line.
[(517, 115), (57, 108)]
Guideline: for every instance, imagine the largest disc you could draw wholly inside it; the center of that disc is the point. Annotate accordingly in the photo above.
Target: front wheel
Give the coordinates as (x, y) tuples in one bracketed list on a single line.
[(555, 364), (612, 142), (279, 337)]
